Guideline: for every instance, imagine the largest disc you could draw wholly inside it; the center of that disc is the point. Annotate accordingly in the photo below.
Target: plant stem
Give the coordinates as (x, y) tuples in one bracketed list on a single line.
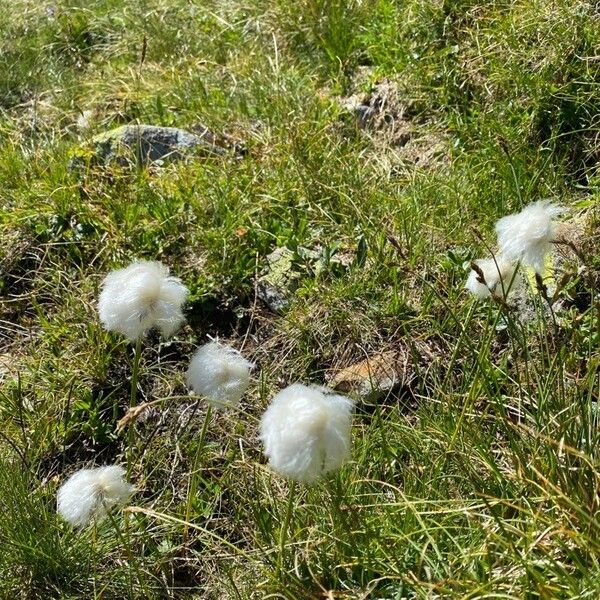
[(135, 372), (193, 477), (133, 399), (133, 563), (94, 558), (284, 529)]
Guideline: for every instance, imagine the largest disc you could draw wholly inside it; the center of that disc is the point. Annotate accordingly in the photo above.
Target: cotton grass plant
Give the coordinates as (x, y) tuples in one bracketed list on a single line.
[(89, 494), (491, 277), (141, 297), (524, 239), (527, 236), (305, 432), (220, 375), (137, 299)]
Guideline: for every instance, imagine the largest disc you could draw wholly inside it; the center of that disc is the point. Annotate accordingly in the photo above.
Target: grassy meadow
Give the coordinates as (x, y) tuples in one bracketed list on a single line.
[(477, 477)]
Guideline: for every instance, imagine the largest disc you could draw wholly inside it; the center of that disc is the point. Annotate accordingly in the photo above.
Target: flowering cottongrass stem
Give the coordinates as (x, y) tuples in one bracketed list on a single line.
[(193, 482), (285, 526), (491, 277), (306, 432), (141, 297), (220, 374), (135, 373), (527, 236), (136, 299), (89, 494)]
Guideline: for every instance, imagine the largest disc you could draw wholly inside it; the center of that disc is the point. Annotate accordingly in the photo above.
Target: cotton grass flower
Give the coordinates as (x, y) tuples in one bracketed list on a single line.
[(90, 493), (219, 373), (306, 432), (499, 276), (527, 236), (84, 120), (141, 297)]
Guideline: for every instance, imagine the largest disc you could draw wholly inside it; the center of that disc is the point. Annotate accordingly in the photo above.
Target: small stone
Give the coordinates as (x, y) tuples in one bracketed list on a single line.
[(357, 105), (284, 272), (143, 144), (372, 378), (272, 297), (286, 269), (277, 283)]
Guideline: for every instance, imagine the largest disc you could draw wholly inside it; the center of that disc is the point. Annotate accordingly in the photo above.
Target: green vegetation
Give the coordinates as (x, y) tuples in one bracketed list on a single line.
[(480, 478)]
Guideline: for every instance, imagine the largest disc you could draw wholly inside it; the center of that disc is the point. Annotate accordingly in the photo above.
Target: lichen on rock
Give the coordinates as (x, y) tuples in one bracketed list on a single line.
[(143, 144)]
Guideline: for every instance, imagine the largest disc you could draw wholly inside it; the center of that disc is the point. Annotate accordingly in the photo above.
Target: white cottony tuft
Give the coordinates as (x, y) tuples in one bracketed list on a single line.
[(527, 236), (89, 493), (306, 432), (219, 373), (84, 120), (499, 278), (141, 297)]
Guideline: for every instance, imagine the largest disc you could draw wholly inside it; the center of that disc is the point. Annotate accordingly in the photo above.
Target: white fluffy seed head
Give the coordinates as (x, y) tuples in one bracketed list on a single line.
[(499, 277), (89, 493), (219, 373), (85, 119), (141, 297), (527, 236), (306, 432)]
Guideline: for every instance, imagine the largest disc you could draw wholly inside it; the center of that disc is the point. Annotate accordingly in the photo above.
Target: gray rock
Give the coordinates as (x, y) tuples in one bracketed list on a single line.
[(143, 144), (285, 270), (277, 283), (275, 298)]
